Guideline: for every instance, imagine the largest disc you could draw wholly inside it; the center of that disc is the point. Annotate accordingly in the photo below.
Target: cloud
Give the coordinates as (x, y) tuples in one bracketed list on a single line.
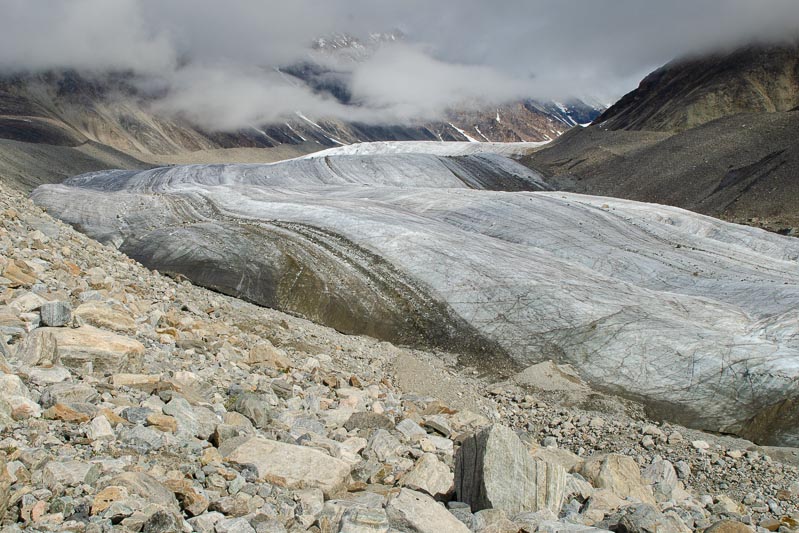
[(219, 59)]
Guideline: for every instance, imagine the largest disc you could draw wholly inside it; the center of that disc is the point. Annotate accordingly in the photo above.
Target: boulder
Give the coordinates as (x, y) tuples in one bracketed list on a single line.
[(494, 470), (14, 393), (5, 487), (56, 314), (105, 351), (413, 512), (287, 465), (620, 474), (38, 348), (644, 518), (191, 421), (69, 473), (429, 475), (359, 520), (106, 316), (146, 487), (368, 420), (255, 407), (729, 526), (267, 355), (19, 273)]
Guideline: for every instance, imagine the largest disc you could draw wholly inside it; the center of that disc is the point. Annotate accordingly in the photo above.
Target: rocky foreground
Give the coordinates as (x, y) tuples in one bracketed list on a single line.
[(134, 402)]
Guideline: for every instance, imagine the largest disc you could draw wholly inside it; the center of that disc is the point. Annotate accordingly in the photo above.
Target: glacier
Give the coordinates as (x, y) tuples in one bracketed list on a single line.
[(469, 251)]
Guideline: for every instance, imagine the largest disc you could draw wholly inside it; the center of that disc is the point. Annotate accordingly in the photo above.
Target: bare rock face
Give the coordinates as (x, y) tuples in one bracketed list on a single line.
[(288, 465), (494, 470)]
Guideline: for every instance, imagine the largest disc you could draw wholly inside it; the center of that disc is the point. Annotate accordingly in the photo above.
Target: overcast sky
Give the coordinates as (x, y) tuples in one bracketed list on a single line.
[(219, 57)]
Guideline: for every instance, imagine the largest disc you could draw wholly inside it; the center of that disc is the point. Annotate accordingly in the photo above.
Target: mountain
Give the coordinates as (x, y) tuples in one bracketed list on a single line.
[(715, 135), (439, 245), (56, 113), (689, 92)]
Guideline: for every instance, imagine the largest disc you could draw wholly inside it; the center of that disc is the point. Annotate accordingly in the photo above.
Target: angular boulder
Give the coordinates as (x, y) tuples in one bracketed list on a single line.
[(56, 314), (494, 470), (106, 316), (429, 475), (414, 512), (106, 351), (288, 465), (620, 474)]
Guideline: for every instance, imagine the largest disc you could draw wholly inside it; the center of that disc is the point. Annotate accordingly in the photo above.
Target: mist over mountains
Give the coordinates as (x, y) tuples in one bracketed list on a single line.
[(221, 64)]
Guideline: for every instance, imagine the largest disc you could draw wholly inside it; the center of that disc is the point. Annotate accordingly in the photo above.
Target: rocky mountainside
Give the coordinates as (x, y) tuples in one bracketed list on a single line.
[(734, 156), (133, 402), (58, 114), (690, 315), (689, 92)]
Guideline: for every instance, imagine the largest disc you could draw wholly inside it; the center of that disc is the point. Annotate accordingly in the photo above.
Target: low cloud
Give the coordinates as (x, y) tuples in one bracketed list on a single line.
[(221, 61)]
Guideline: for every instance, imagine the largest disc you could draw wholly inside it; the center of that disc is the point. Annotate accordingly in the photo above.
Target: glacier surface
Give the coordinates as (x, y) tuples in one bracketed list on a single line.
[(695, 317)]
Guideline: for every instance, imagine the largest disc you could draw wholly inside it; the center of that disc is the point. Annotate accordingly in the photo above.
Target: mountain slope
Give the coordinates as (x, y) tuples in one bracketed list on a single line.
[(681, 139), (688, 92)]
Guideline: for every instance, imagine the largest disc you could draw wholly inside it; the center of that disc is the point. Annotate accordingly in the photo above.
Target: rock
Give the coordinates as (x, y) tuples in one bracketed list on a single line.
[(410, 429), (551, 526), (161, 522), (234, 525), (143, 382), (700, 444), (287, 465), (645, 518), (206, 523), (100, 429), (48, 375), (620, 474), (106, 497), (494, 470), (68, 393), (191, 421), (414, 512), (69, 473), (429, 475), (438, 424), (267, 355), (384, 445), (162, 422), (192, 502), (56, 314), (19, 273), (5, 486), (358, 520), (14, 392), (102, 350), (663, 477), (142, 439), (148, 488), (368, 420), (602, 502), (729, 526), (559, 456), (255, 408), (38, 348), (106, 316)]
